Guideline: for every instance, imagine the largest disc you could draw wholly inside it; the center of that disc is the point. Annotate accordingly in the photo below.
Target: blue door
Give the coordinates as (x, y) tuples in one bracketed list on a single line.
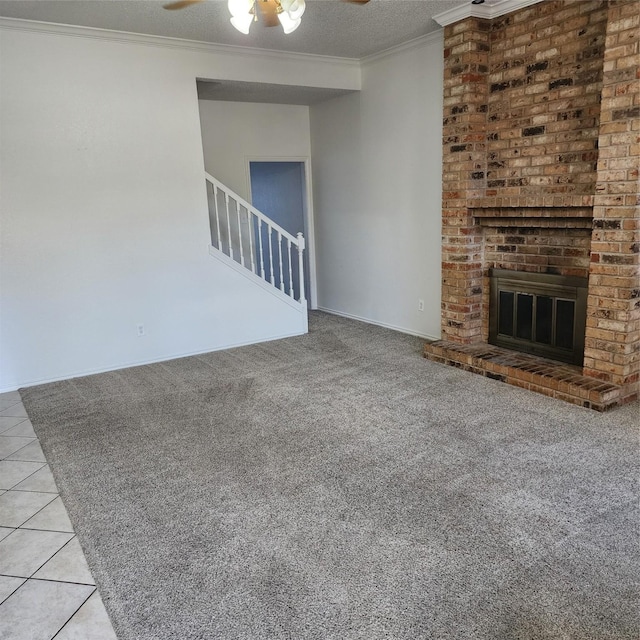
[(278, 190)]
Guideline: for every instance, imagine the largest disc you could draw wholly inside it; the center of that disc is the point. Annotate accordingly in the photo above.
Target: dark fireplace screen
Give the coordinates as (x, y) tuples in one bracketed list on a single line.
[(538, 313)]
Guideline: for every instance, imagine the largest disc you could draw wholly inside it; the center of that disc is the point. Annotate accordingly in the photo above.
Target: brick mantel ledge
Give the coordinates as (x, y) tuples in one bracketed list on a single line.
[(556, 202), (538, 212)]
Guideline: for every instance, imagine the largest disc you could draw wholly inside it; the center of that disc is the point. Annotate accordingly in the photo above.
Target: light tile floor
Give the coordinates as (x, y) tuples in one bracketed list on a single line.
[(46, 587)]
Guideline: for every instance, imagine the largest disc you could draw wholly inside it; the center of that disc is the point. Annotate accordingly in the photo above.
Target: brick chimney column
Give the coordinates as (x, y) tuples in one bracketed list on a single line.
[(612, 344), (466, 53)]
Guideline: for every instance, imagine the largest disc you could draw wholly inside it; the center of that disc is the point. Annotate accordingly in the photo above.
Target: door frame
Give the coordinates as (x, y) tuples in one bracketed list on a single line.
[(307, 214)]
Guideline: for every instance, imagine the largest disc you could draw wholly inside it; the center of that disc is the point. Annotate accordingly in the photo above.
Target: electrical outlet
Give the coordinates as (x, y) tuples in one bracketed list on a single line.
[(420, 305), (140, 329)]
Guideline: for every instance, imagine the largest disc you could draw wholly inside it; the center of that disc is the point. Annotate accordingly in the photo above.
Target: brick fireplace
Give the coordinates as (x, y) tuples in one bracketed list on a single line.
[(541, 151)]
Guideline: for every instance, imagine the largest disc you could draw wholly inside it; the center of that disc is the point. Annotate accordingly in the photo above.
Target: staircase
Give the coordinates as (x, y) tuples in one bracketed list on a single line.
[(253, 244)]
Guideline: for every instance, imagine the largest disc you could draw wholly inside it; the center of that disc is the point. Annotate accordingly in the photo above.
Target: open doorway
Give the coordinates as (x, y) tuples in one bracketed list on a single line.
[(279, 190)]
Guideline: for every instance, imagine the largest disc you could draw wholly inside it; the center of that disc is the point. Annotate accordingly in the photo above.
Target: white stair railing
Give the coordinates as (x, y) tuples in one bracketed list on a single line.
[(255, 242)]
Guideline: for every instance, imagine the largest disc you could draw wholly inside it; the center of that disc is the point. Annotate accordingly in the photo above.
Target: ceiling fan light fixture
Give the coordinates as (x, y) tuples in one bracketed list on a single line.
[(288, 13), (242, 22), (296, 9), (239, 7), (289, 25)]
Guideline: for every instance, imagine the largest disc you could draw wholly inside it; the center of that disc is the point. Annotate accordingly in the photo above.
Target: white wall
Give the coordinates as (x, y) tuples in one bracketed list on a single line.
[(377, 168), (232, 132), (103, 216)]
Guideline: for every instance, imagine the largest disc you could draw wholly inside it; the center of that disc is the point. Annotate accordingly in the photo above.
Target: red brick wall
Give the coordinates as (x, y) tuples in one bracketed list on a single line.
[(538, 250), (612, 344), (542, 113), (464, 131), (544, 99)]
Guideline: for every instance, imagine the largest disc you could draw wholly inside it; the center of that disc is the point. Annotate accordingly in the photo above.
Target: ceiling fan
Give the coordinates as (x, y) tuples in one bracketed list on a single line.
[(272, 12)]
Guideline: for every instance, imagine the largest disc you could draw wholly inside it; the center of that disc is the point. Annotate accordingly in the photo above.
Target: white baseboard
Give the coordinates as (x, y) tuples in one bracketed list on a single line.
[(351, 316), (128, 365), (90, 372)]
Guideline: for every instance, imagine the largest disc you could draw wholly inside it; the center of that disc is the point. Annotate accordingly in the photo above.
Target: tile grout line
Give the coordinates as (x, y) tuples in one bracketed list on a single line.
[(24, 580), (27, 490), (30, 577), (11, 407), (53, 556), (44, 464), (38, 511), (3, 413), (20, 527), (80, 584), (73, 614), (56, 494), (93, 588), (17, 424), (42, 530), (33, 439)]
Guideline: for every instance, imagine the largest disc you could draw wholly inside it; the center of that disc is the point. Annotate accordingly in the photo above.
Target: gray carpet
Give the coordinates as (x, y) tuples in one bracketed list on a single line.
[(337, 485)]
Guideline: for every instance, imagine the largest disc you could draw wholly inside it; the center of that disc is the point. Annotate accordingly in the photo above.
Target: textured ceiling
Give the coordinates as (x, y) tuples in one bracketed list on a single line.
[(329, 27)]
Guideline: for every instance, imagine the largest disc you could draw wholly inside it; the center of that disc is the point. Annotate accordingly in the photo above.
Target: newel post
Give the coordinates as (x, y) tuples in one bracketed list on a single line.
[(301, 245)]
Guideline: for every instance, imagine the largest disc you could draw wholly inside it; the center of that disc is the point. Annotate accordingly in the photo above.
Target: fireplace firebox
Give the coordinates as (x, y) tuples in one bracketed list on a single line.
[(538, 313)]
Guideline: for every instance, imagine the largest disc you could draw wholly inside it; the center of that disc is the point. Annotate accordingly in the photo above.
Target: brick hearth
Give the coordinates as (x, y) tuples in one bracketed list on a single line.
[(556, 379), (541, 138)]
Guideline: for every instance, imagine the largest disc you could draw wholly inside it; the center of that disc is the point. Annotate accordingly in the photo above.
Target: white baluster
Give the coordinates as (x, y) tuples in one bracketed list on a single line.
[(290, 272), (280, 257), (273, 280), (250, 231), (215, 200), (211, 223), (240, 234), (301, 267), (261, 250), (226, 202), (256, 252)]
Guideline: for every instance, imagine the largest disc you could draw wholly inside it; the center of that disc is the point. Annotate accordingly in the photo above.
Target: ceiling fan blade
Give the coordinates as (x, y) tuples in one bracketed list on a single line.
[(356, 1), (268, 12), (180, 4)]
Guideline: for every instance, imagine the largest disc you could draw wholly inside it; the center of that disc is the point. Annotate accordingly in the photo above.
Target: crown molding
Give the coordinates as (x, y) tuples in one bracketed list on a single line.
[(489, 10), (126, 37), (433, 37)]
